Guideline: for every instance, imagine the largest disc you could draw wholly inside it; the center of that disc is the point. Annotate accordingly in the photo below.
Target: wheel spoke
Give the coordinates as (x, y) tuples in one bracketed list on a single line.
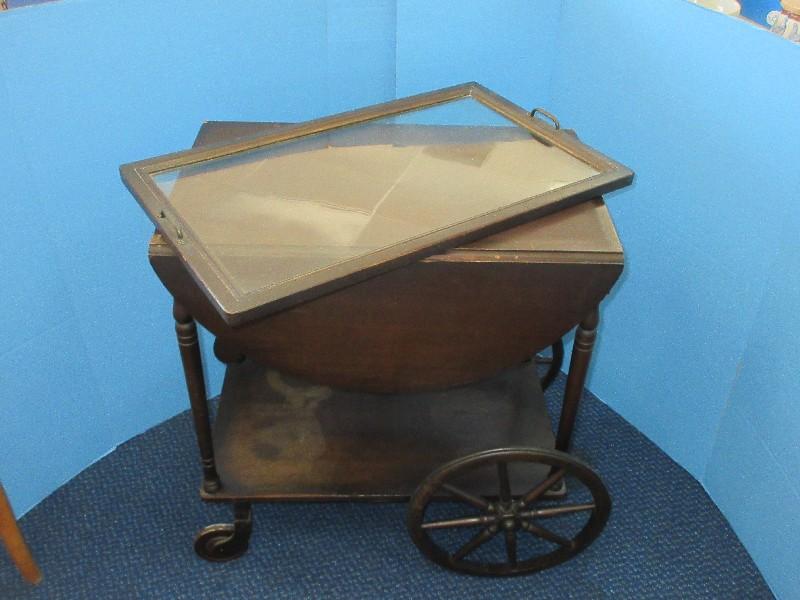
[(546, 534), (505, 484), (540, 489), (511, 546), (555, 511), (462, 522), (475, 501), (477, 541)]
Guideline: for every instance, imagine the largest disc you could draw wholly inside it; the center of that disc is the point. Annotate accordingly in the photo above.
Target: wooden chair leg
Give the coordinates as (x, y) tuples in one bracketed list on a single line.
[(14, 542)]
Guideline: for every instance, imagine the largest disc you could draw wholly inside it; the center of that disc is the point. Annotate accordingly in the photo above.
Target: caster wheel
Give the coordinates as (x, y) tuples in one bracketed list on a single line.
[(511, 533), (224, 542), (215, 543), (553, 362)]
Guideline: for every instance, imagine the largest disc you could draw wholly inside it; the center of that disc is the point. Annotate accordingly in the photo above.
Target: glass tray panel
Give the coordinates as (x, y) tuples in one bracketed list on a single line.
[(276, 213)]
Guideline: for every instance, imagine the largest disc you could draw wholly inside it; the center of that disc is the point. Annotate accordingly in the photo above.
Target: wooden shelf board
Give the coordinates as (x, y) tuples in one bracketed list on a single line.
[(280, 438)]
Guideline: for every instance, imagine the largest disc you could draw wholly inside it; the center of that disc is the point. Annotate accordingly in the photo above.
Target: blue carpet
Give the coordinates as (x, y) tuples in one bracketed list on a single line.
[(124, 528)]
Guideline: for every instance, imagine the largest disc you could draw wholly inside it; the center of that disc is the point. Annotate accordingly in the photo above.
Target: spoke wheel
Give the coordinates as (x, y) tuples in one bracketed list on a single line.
[(508, 534)]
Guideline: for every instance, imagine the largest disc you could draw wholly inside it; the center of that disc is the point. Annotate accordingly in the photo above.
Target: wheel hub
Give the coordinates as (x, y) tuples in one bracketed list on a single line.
[(509, 516)]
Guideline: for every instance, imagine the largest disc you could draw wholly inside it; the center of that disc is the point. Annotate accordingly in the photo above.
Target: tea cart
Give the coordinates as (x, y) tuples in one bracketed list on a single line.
[(406, 375)]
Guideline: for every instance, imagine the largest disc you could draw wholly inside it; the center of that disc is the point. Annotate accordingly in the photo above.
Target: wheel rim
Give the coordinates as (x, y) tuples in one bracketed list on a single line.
[(510, 518)]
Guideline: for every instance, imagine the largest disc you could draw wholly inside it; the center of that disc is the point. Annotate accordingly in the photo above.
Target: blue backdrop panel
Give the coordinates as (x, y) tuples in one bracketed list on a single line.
[(657, 87), (361, 53), (698, 105), (90, 355), (508, 46), (752, 473), (44, 372)]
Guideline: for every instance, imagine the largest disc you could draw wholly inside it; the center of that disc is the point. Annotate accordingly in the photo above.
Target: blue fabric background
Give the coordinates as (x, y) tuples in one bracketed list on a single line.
[(698, 340)]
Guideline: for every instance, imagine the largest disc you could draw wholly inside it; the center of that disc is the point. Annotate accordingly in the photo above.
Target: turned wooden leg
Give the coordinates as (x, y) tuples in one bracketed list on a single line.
[(14, 542), (582, 348), (195, 383)]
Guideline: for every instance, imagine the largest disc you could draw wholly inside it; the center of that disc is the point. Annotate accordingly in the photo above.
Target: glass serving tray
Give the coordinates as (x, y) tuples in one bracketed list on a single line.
[(267, 222)]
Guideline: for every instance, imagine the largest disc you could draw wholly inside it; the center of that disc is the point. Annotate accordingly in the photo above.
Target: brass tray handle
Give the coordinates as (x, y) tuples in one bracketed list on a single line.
[(550, 116)]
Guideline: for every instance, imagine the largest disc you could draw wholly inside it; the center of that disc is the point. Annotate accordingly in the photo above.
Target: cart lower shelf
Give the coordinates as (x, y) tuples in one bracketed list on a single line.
[(280, 438)]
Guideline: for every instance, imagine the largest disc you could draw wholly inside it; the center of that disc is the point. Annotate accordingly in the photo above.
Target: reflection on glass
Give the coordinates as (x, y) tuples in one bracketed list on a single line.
[(279, 212)]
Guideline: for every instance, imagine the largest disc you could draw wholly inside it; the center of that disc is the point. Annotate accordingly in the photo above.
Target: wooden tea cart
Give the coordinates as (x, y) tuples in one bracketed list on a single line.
[(416, 382)]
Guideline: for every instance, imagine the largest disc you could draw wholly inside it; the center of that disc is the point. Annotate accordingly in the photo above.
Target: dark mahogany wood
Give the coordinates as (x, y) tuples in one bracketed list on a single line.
[(281, 438), (585, 337), (450, 319), (426, 326), (189, 346), (227, 353)]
